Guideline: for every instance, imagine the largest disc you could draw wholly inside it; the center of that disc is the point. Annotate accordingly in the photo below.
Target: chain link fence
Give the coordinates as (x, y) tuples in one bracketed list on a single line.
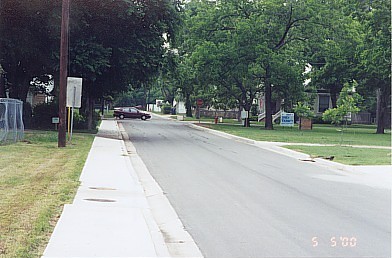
[(11, 120)]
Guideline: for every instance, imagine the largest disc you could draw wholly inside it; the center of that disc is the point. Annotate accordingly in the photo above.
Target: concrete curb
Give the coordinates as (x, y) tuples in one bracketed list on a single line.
[(177, 239)]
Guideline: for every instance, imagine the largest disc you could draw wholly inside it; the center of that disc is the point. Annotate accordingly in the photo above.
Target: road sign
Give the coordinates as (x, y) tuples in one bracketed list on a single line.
[(287, 119), (199, 102), (244, 114), (74, 92)]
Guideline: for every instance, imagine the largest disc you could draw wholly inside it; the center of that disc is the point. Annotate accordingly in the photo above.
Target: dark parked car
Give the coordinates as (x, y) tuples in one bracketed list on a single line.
[(130, 112)]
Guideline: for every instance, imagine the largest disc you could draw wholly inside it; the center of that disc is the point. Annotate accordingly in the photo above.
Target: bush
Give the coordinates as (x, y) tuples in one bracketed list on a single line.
[(80, 121), (303, 110), (27, 114), (166, 109), (319, 120), (42, 115)]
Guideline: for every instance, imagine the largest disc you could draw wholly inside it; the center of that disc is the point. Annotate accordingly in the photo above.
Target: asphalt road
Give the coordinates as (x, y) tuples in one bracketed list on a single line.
[(238, 200)]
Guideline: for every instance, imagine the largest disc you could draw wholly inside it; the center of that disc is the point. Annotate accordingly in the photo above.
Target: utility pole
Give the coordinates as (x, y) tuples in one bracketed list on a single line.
[(63, 72)]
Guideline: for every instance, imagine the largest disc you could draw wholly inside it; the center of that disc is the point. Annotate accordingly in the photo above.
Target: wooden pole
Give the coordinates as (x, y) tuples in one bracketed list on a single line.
[(63, 73)]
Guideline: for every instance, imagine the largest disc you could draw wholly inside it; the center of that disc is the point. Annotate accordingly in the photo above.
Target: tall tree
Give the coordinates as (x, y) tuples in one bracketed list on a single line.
[(119, 43), (27, 33), (113, 43), (250, 44), (375, 56), (334, 61)]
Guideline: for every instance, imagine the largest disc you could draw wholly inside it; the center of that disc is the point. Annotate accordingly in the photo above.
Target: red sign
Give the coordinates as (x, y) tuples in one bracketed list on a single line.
[(199, 102)]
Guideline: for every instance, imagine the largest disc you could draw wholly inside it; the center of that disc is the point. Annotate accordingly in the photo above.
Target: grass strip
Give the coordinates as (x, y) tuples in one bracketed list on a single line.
[(321, 134), (36, 179), (347, 155)]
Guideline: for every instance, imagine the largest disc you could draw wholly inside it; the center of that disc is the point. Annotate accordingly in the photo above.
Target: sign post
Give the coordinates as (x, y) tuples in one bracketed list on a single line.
[(74, 99), (55, 121)]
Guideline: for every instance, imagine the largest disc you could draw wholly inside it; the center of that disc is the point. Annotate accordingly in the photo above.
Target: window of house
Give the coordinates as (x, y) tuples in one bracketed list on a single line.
[(323, 103)]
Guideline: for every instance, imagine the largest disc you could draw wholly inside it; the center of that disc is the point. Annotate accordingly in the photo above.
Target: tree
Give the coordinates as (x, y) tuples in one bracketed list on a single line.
[(2, 82), (113, 44), (119, 44), (28, 31), (375, 56), (334, 61), (247, 47), (347, 104), (303, 111)]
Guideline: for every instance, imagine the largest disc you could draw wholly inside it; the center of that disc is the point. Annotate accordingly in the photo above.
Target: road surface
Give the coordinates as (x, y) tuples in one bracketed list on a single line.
[(238, 200)]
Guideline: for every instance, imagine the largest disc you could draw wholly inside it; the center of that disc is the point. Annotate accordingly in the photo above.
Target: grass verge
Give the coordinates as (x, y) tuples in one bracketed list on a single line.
[(36, 179), (348, 155), (321, 134)]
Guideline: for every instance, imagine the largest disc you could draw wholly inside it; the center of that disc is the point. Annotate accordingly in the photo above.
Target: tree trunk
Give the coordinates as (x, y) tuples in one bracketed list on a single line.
[(13, 88), (380, 113), (334, 91), (144, 99), (268, 98), (188, 105), (239, 119), (2, 85), (102, 106), (24, 89), (90, 113)]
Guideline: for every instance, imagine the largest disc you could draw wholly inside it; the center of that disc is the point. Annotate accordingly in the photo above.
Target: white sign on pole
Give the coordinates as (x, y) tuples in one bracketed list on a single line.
[(287, 119), (55, 120), (244, 114), (74, 92)]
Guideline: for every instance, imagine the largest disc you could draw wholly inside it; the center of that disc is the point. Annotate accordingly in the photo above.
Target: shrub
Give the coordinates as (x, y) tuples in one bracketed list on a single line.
[(80, 121), (303, 110), (347, 104), (42, 115), (319, 120), (166, 108), (27, 114)]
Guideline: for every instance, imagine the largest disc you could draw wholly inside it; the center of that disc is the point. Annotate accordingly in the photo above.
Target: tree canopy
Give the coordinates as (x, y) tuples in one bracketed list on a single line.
[(239, 49), (112, 43), (227, 52)]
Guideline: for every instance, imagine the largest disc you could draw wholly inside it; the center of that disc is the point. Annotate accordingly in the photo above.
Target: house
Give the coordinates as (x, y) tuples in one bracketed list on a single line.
[(322, 102), (35, 98)]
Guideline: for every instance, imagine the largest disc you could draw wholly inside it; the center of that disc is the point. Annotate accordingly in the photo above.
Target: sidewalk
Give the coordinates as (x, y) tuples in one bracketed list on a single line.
[(110, 215)]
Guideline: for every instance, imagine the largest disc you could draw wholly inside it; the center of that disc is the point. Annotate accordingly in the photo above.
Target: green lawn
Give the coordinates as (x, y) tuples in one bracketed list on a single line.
[(36, 179), (321, 134), (348, 155)]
